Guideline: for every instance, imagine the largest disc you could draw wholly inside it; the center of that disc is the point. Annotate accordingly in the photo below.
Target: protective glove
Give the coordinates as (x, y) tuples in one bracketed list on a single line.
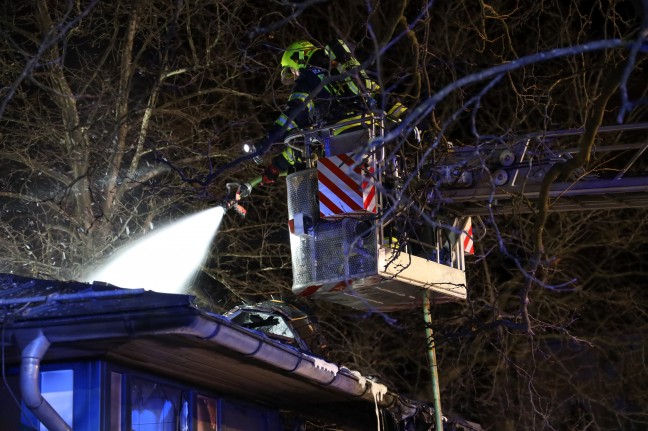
[(270, 175)]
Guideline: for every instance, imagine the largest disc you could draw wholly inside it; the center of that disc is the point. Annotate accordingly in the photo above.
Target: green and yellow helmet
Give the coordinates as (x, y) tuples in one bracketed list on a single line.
[(297, 55)]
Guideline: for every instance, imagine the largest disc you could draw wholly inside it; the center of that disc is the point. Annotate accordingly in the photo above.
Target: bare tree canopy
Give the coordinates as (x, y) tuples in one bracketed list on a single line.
[(116, 117)]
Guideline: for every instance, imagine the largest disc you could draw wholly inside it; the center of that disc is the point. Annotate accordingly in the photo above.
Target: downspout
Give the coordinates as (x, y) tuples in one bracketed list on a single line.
[(31, 356), (438, 416)]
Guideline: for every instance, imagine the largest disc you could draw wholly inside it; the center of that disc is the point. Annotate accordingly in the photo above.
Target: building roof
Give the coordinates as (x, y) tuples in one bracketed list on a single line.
[(167, 334)]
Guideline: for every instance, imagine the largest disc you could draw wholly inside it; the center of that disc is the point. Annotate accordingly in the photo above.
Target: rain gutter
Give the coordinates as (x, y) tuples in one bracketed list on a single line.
[(235, 338), (224, 333)]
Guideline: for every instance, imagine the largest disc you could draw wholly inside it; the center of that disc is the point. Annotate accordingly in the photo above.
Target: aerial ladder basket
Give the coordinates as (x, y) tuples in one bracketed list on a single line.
[(341, 235)]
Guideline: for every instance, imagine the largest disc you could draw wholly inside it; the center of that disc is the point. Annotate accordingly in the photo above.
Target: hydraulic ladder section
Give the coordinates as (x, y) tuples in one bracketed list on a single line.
[(507, 178)]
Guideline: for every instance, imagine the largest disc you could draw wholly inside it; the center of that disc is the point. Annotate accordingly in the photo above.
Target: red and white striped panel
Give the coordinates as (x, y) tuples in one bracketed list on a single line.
[(344, 190), (369, 192), (467, 238)]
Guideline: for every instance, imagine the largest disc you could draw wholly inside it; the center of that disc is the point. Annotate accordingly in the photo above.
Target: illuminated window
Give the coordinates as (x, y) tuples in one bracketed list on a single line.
[(115, 401), (57, 388), (157, 407), (206, 411)]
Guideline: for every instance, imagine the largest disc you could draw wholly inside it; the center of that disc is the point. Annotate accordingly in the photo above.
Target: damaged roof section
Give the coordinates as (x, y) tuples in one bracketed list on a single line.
[(168, 335)]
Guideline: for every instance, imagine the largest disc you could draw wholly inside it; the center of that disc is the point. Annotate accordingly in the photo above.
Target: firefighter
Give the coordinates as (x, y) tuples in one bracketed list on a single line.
[(328, 87)]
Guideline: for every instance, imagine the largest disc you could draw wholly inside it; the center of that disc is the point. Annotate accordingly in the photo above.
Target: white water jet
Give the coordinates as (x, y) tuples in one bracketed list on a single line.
[(164, 260)]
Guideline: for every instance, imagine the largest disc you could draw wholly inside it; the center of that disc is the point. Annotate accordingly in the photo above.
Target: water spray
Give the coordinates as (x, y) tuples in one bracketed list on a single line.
[(167, 259)]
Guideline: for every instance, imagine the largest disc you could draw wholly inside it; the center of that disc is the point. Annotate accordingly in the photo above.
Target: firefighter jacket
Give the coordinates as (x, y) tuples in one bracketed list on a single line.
[(328, 90)]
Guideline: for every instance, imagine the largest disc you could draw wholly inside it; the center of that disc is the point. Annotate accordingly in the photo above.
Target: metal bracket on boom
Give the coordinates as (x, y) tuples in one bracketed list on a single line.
[(501, 174)]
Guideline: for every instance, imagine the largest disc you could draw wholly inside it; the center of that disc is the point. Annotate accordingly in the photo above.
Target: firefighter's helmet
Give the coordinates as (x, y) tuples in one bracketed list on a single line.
[(295, 57)]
